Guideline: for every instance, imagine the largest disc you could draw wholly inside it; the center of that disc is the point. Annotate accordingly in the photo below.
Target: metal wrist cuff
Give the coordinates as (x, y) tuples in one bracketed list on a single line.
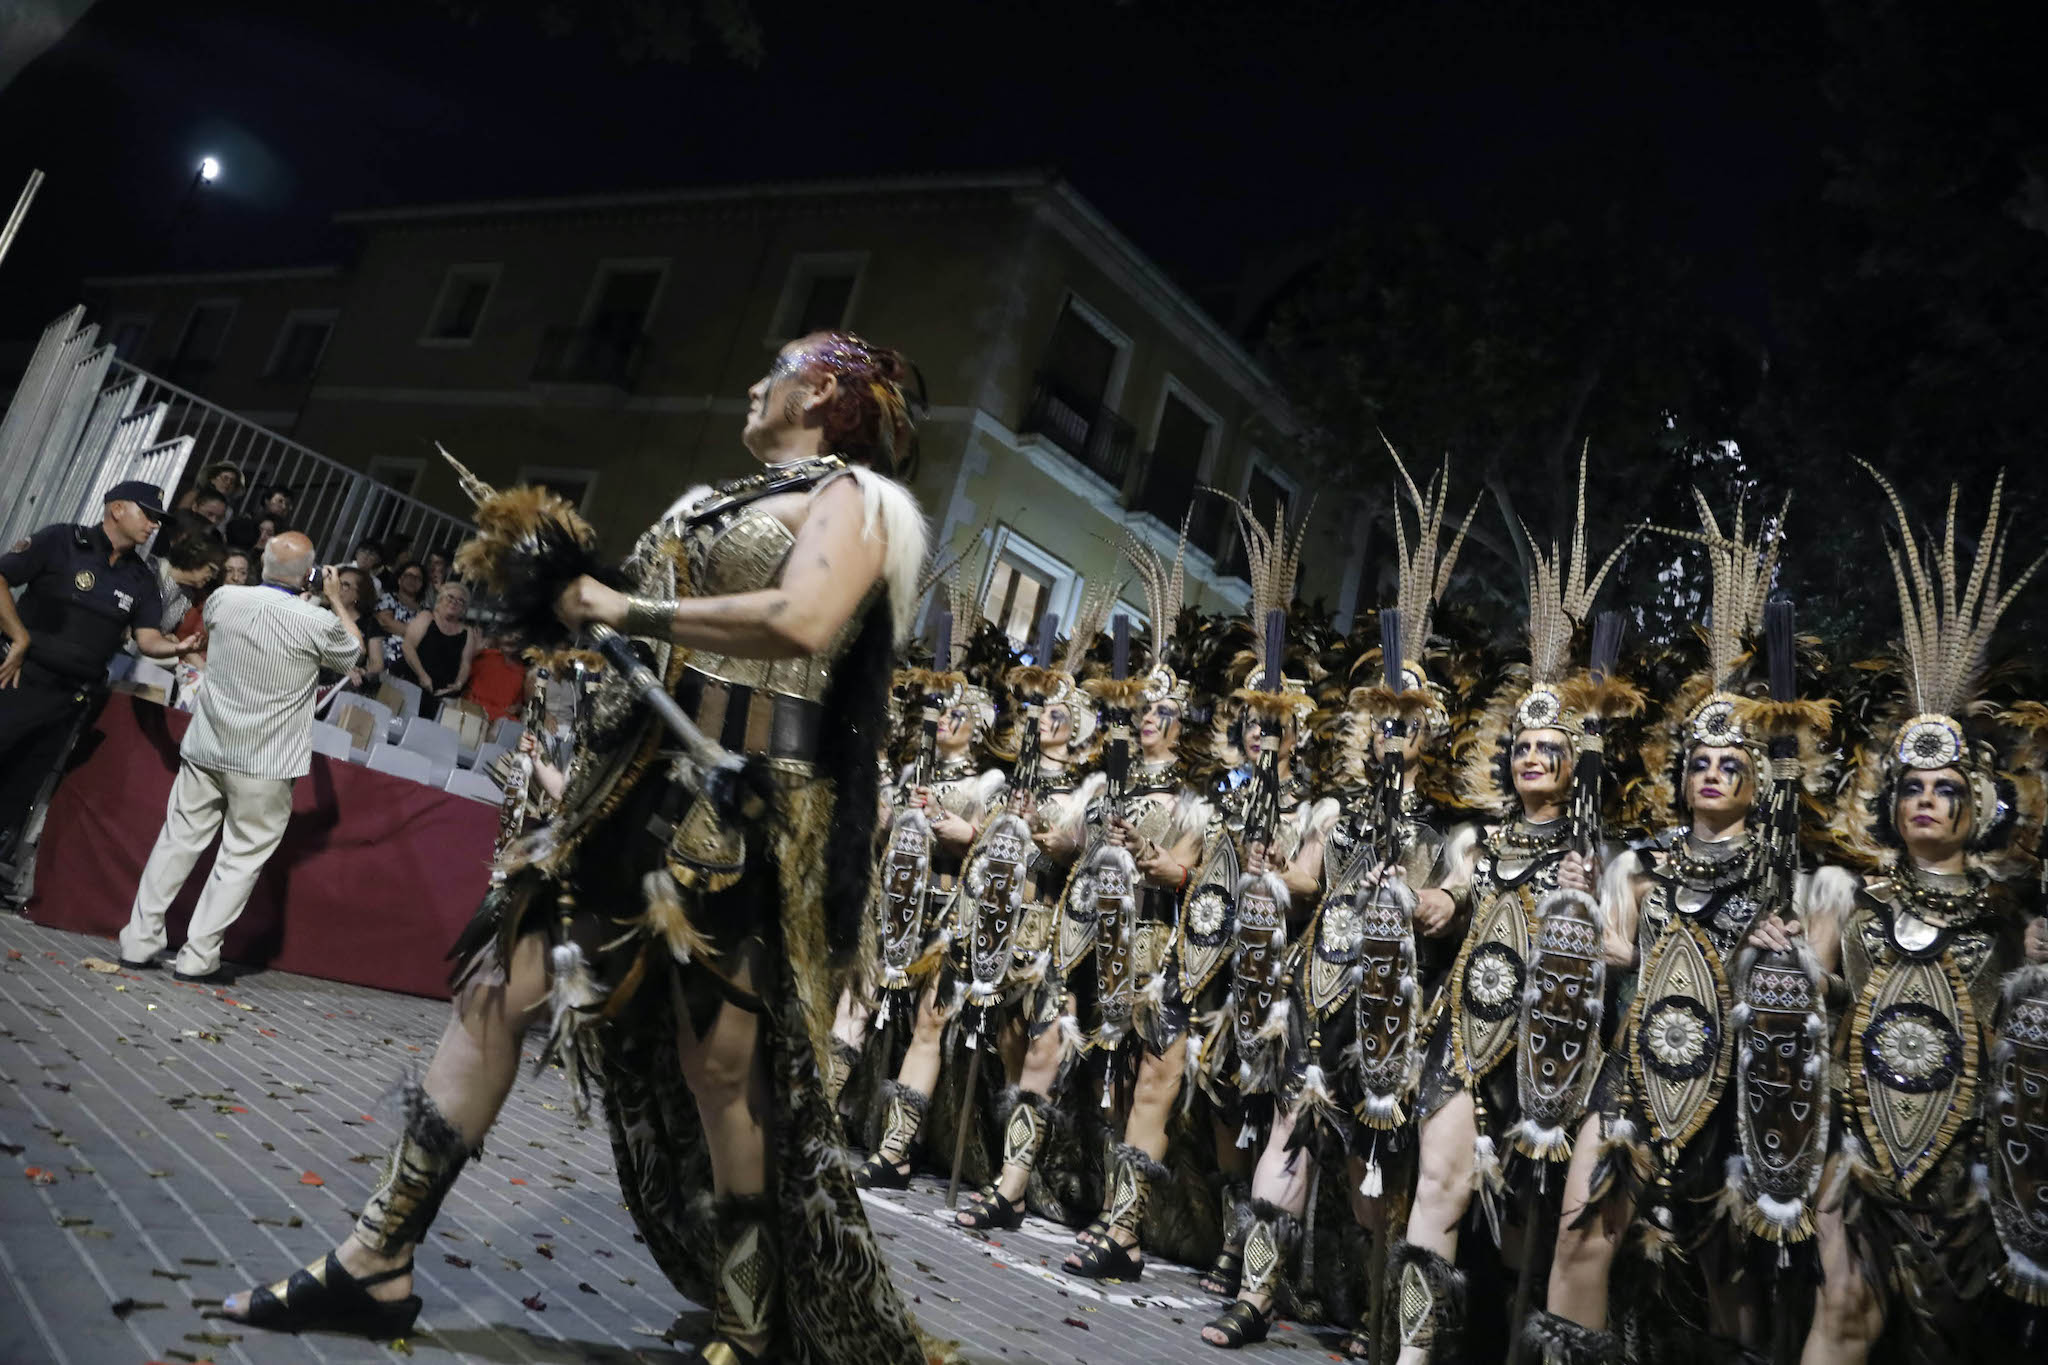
[(649, 618)]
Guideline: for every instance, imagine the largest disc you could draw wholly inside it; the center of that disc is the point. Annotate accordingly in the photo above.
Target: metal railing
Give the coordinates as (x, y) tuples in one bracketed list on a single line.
[(336, 506), (581, 355), (1084, 427)]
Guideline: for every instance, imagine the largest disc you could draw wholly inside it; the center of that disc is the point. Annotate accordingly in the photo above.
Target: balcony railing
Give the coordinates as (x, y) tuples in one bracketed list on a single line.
[(580, 355), (1083, 427)]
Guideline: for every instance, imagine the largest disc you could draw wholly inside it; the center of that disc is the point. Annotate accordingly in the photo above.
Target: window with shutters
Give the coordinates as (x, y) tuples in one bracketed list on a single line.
[(300, 344), (459, 307), (818, 294)]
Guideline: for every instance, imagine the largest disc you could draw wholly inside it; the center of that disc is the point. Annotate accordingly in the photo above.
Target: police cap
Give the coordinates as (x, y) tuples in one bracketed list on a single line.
[(147, 496)]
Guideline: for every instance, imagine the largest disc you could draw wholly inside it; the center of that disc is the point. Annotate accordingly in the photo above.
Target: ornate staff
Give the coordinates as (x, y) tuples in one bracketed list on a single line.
[(907, 863)]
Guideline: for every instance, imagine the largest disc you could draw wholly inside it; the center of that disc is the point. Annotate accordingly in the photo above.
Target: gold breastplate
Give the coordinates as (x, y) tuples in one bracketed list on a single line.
[(744, 551)]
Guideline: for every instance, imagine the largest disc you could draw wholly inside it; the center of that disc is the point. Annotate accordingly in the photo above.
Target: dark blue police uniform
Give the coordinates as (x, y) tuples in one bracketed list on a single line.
[(78, 609)]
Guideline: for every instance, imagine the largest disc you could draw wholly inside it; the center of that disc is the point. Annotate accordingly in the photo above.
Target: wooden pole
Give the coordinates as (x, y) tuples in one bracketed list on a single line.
[(966, 1118)]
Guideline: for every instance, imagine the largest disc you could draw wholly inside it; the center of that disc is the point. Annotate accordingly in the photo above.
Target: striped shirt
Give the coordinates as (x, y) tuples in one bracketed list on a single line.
[(265, 649)]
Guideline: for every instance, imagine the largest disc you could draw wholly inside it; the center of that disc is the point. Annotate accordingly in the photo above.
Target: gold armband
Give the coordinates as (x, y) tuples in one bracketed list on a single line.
[(649, 618)]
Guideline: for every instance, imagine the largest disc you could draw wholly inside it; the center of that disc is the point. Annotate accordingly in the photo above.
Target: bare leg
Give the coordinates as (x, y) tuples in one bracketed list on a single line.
[(468, 1079), (1578, 1274), (1279, 1183), (910, 1095), (1848, 1312), (1159, 1079), (1038, 1068), (1443, 1190), (850, 1021)]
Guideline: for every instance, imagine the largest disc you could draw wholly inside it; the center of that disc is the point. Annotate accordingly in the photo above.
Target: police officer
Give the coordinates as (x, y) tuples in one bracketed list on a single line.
[(83, 588)]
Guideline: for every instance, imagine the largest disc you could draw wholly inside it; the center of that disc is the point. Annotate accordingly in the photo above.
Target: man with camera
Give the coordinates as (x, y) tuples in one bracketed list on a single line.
[(249, 741)]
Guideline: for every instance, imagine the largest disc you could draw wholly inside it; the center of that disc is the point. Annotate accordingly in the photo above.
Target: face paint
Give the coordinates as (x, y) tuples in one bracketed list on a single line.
[(1932, 806)]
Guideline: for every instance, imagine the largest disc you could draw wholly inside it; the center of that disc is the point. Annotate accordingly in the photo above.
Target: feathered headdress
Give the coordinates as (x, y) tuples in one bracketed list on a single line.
[(1421, 577), (1045, 683), (1947, 617), (1165, 585), (1560, 598), (1714, 707), (1273, 562)]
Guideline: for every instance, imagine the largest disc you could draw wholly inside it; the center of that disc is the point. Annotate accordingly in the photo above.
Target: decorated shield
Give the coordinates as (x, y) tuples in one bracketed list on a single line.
[(1256, 968), (1781, 1067), (1386, 1006), (1486, 982), (1209, 919), (1678, 1031), (1112, 878), (906, 879), (1558, 1024), (1917, 1053), (1329, 973), (2016, 1132), (995, 888)]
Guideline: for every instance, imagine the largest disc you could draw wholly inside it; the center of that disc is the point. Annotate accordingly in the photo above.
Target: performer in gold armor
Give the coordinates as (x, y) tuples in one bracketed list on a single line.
[(683, 947)]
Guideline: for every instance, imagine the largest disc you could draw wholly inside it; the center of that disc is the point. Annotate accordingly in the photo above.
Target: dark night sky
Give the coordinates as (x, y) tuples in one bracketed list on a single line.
[(1209, 132)]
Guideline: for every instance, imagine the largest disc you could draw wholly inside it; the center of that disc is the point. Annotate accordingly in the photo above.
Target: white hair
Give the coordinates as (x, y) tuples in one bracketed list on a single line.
[(279, 567)]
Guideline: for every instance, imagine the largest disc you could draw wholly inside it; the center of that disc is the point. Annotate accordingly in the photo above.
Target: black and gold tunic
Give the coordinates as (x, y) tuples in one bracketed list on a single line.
[(657, 907)]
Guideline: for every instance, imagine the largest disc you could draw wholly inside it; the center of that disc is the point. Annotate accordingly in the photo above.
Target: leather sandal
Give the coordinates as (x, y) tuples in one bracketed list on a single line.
[(325, 1296), (1242, 1324), (1094, 1234), (1355, 1346), (880, 1173), (1108, 1259), (1225, 1275), (992, 1212)]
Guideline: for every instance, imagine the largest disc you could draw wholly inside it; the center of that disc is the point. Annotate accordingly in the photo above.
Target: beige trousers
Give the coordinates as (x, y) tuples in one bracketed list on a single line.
[(250, 814)]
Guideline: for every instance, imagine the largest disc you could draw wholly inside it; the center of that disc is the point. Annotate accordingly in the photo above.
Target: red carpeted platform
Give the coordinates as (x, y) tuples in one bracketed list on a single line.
[(374, 879)]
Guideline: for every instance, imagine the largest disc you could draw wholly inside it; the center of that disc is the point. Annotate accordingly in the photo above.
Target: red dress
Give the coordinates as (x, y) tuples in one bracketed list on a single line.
[(497, 682)]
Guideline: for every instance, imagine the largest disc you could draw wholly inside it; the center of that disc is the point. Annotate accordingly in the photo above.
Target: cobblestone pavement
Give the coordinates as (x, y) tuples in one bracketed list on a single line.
[(162, 1145)]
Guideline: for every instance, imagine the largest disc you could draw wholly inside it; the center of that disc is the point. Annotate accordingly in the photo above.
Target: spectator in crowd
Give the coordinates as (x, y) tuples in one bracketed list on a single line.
[(498, 679), (440, 649), (211, 504), (224, 479), (234, 573), (234, 570), (249, 741), (188, 562), (358, 590), (276, 505), (83, 588), (266, 527), (437, 569), (395, 610), (370, 559)]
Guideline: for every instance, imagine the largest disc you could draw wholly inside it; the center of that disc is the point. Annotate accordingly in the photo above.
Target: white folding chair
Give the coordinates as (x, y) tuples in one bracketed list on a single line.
[(379, 713), (437, 742), (475, 786), (389, 758), (410, 693), (485, 752), (505, 734), (332, 740)]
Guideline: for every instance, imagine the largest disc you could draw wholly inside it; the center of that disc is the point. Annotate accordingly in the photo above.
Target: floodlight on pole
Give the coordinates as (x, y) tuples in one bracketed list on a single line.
[(209, 169)]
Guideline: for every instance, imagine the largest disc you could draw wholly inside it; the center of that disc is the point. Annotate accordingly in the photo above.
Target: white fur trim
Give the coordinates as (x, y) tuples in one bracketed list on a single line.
[(889, 509)]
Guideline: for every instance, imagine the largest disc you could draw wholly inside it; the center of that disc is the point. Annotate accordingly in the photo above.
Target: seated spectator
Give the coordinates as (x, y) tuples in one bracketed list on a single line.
[(395, 610), (357, 591), (266, 527), (498, 679), (276, 505), (224, 479), (370, 559), (440, 648), (437, 563), (212, 504), (235, 571)]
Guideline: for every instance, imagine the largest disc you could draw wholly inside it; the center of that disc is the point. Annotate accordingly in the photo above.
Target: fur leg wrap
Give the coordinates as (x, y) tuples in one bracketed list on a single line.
[(1429, 1295), (421, 1170), (903, 1111), (1236, 1209), (1130, 1186), (749, 1270), (1560, 1341), (839, 1064), (1024, 1128), (1270, 1246)]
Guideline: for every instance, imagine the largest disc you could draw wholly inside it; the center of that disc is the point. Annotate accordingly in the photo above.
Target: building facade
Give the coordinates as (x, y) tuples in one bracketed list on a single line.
[(604, 345)]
